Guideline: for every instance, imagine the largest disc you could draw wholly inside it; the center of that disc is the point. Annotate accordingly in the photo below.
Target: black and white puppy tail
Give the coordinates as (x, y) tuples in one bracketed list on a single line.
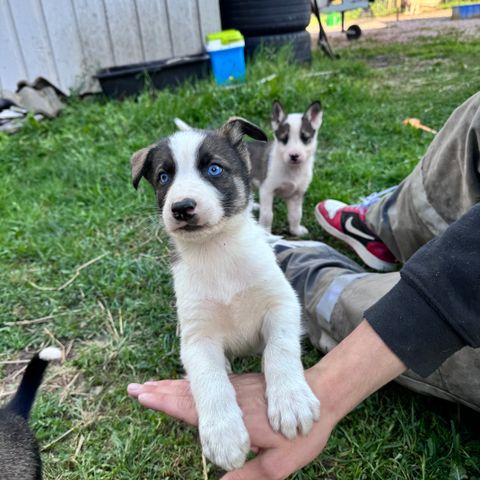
[(22, 402)]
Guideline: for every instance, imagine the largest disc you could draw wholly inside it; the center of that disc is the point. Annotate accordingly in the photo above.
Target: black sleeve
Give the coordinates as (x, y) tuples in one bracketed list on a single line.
[(435, 308)]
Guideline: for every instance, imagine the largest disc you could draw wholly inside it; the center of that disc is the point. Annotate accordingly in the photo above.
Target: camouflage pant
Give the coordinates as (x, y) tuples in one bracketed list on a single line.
[(335, 291)]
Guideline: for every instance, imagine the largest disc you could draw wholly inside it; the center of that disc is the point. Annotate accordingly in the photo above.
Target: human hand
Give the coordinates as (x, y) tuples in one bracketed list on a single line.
[(276, 456), (357, 367)]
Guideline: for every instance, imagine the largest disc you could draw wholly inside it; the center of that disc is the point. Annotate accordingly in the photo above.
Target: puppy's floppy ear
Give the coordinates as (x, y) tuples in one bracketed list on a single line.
[(314, 114), (138, 162), (237, 127), (278, 114)]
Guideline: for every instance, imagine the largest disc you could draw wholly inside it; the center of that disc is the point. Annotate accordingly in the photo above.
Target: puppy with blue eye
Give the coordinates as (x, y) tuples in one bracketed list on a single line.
[(284, 167), (232, 297)]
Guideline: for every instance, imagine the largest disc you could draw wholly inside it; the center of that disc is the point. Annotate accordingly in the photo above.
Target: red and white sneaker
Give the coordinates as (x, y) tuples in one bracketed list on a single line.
[(347, 223)]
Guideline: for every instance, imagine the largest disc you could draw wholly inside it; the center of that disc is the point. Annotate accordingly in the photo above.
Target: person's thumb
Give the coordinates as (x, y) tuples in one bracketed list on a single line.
[(268, 465)]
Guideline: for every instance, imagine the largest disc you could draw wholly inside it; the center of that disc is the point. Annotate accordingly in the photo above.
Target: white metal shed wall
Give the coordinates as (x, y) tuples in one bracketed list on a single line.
[(67, 41)]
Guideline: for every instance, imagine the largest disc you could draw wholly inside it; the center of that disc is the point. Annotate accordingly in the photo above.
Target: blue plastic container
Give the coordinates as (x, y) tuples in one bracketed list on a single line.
[(466, 11), (226, 50)]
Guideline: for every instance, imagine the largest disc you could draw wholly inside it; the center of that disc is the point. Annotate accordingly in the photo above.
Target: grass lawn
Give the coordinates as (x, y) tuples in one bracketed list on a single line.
[(66, 199)]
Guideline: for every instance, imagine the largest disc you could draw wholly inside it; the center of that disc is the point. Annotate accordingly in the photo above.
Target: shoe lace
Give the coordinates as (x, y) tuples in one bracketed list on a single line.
[(375, 197)]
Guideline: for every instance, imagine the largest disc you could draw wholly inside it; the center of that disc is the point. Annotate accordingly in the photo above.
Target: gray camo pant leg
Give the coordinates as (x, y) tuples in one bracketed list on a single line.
[(442, 187), (335, 291)]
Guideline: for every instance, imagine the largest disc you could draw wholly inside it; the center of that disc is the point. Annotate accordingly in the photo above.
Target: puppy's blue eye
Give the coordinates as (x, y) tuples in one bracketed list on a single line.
[(214, 170), (164, 178)]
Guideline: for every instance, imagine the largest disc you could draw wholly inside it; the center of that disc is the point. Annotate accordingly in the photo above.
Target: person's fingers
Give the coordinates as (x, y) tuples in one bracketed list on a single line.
[(178, 406), (250, 471), (173, 387), (170, 396), (134, 389), (268, 465)]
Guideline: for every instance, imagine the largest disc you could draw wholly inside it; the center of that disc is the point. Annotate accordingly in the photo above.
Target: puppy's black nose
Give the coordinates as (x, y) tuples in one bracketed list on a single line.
[(294, 157), (184, 209)]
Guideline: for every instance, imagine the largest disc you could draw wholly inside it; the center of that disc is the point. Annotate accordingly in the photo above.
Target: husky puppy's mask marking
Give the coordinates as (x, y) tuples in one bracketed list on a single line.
[(296, 133), (232, 297), (201, 179)]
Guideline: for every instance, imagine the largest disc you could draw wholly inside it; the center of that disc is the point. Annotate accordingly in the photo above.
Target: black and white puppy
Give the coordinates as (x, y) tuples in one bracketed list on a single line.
[(19, 453), (232, 297), (284, 167)]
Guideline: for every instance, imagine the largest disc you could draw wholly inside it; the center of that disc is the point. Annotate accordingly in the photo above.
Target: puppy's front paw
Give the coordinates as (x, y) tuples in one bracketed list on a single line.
[(292, 408), (299, 231), (225, 439)]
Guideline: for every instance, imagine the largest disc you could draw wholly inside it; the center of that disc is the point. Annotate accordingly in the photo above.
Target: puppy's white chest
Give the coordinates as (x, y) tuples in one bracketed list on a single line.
[(286, 189), (227, 298), (230, 313), (213, 279), (286, 181), (238, 324)]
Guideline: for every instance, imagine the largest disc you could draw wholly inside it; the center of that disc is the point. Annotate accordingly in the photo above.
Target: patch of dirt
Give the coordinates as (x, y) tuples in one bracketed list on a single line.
[(388, 30), (384, 61)]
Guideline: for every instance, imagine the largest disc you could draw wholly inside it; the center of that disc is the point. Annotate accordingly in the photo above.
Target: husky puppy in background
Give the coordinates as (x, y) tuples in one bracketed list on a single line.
[(232, 297), (284, 168), (19, 453)]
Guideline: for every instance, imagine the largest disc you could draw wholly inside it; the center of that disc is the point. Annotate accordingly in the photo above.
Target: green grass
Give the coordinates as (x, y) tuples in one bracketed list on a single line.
[(66, 198)]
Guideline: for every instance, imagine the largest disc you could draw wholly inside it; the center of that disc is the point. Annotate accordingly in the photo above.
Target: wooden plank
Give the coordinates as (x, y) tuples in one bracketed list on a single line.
[(124, 31), (210, 21), (12, 68), (33, 40), (185, 27), (65, 41), (93, 29), (154, 29), (96, 43)]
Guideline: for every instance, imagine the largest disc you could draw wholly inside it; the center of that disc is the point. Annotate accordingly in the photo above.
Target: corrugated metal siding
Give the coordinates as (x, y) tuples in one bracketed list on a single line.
[(67, 41)]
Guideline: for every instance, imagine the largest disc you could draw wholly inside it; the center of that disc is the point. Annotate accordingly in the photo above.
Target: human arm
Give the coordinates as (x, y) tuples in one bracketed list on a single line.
[(434, 310)]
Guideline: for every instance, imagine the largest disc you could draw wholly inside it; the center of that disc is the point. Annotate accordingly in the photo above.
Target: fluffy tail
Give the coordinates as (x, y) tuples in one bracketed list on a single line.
[(181, 125), (22, 402)]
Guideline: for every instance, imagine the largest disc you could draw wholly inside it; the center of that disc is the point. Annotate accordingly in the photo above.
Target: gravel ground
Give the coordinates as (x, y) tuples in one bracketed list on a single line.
[(389, 30)]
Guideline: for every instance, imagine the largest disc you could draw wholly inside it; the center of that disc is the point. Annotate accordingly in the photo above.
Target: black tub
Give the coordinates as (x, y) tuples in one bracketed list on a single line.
[(119, 82)]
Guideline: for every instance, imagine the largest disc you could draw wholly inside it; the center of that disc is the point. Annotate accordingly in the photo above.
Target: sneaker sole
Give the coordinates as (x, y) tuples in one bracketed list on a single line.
[(371, 260)]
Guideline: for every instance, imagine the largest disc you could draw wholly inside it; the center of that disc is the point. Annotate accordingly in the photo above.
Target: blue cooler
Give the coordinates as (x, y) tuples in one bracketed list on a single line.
[(466, 11), (226, 50)]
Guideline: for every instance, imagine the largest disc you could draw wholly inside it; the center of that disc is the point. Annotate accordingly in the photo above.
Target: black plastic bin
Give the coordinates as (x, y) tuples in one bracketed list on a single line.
[(119, 82)]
